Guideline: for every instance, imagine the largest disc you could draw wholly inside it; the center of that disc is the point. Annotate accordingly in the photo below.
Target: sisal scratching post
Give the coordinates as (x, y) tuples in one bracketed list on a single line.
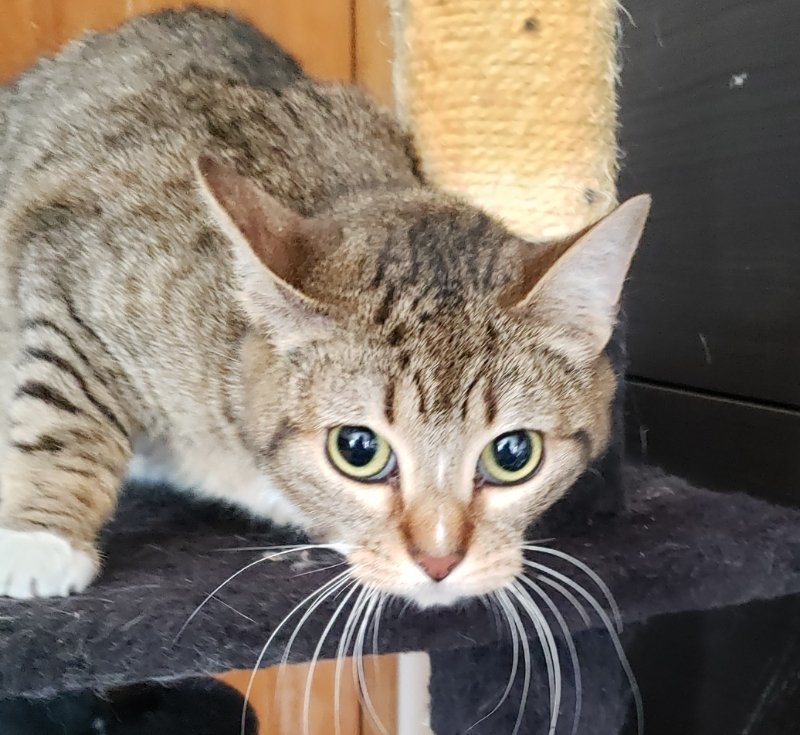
[(513, 105)]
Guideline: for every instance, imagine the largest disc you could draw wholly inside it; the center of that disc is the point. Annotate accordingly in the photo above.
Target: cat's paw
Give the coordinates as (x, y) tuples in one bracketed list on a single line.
[(42, 564)]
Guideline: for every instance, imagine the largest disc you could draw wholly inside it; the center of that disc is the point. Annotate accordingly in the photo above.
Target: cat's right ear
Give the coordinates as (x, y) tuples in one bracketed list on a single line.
[(275, 250), (576, 288)]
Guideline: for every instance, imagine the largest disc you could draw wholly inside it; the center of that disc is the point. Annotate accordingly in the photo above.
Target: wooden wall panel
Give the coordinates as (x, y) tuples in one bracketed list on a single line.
[(318, 32), (381, 683), (25, 31), (373, 49), (278, 699)]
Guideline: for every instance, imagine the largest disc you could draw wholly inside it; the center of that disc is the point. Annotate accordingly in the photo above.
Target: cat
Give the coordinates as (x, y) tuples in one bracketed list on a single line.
[(221, 272)]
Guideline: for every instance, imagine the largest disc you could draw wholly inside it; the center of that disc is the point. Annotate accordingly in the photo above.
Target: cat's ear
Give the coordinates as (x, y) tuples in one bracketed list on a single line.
[(274, 249), (577, 296)]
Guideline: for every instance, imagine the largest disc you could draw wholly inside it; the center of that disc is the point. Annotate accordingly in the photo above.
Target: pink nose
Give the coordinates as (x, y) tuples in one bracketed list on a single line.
[(438, 567)]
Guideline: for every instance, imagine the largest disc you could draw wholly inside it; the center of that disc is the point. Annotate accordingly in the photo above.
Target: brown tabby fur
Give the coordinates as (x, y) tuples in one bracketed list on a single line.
[(217, 318)]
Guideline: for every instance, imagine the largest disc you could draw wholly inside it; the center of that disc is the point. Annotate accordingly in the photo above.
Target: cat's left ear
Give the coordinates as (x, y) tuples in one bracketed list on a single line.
[(577, 296), (275, 249)]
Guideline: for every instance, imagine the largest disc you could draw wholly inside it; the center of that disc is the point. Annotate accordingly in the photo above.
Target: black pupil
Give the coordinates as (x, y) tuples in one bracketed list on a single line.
[(512, 451), (357, 445)]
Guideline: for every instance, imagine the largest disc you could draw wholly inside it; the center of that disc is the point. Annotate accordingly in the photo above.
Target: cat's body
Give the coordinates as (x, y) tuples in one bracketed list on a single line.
[(76, 150), (130, 325), (110, 225)]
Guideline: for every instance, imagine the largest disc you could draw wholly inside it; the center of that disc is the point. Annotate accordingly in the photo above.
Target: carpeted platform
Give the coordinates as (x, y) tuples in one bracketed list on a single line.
[(676, 548)]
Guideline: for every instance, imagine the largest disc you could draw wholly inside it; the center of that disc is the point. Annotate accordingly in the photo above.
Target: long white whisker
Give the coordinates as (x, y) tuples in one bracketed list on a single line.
[(227, 581), (580, 609), (526, 655), (514, 665), (376, 626), (570, 643), (549, 649), (324, 590), (342, 581), (320, 569), (609, 626), (233, 609), (358, 653), (317, 650), (589, 572), (341, 653), (277, 548)]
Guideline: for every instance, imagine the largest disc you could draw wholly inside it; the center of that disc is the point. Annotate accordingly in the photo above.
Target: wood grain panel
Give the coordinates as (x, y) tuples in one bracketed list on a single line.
[(25, 32), (72, 17), (374, 49), (381, 684), (279, 698), (318, 32)]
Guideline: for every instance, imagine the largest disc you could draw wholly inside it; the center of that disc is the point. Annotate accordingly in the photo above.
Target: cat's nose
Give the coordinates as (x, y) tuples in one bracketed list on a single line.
[(438, 567)]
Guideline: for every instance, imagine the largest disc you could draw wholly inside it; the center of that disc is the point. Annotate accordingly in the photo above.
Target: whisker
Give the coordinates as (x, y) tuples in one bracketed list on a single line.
[(227, 581), (341, 653), (312, 608), (382, 598), (589, 572), (549, 650), (580, 609), (382, 601), (526, 655), (267, 548), (536, 541), (321, 569), (488, 602), (324, 590), (358, 653), (318, 650), (514, 664), (233, 609), (570, 643), (613, 635)]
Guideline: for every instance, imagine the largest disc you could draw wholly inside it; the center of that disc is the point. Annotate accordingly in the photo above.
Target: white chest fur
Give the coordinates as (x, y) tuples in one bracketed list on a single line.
[(222, 472)]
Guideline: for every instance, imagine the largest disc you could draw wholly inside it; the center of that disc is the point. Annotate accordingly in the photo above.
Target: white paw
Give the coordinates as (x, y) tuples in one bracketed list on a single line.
[(42, 564)]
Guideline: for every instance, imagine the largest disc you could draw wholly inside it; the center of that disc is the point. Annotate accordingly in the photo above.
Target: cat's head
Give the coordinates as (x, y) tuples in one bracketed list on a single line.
[(422, 384)]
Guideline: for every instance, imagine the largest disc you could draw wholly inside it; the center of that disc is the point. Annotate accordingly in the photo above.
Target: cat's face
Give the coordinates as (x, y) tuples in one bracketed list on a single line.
[(420, 383)]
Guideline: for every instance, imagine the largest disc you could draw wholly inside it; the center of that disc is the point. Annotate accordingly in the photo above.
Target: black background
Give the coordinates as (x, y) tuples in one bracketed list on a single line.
[(710, 125)]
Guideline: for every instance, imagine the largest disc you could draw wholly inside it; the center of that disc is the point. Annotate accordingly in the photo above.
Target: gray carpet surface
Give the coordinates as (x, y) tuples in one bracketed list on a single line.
[(676, 548)]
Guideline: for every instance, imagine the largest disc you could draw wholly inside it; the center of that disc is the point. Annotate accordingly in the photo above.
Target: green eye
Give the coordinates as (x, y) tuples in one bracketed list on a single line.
[(511, 457), (360, 453)]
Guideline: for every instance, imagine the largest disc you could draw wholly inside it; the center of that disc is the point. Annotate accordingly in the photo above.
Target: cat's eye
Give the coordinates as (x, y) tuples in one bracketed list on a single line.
[(360, 453), (511, 458)]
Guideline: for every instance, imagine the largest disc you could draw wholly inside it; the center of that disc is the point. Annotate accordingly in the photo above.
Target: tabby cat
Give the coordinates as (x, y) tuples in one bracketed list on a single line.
[(220, 272)]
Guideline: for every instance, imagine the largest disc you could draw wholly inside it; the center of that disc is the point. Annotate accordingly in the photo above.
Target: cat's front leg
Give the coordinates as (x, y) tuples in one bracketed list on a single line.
[(66, 454)]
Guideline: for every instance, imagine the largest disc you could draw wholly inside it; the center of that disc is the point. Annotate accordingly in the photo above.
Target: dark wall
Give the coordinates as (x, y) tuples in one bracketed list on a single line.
[(710, 115), (711, 126)]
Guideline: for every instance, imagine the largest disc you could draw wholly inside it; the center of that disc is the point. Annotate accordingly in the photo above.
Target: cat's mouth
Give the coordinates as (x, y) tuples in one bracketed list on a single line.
[(408, 579), (439, 594)]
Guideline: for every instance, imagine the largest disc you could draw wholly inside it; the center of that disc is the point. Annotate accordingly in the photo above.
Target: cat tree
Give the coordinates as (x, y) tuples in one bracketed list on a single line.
[(517, 112)]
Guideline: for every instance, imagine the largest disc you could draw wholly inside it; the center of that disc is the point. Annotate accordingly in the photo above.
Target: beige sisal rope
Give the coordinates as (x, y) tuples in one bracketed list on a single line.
[(513, 104)]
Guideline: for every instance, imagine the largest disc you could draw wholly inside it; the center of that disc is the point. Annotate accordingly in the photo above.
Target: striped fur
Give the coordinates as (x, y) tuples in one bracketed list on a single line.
[(208, 263)]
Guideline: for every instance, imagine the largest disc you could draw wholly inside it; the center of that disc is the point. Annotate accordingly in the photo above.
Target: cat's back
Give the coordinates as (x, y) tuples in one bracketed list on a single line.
[(91, 77), (148, 96), (99, 194), (143, 53)]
